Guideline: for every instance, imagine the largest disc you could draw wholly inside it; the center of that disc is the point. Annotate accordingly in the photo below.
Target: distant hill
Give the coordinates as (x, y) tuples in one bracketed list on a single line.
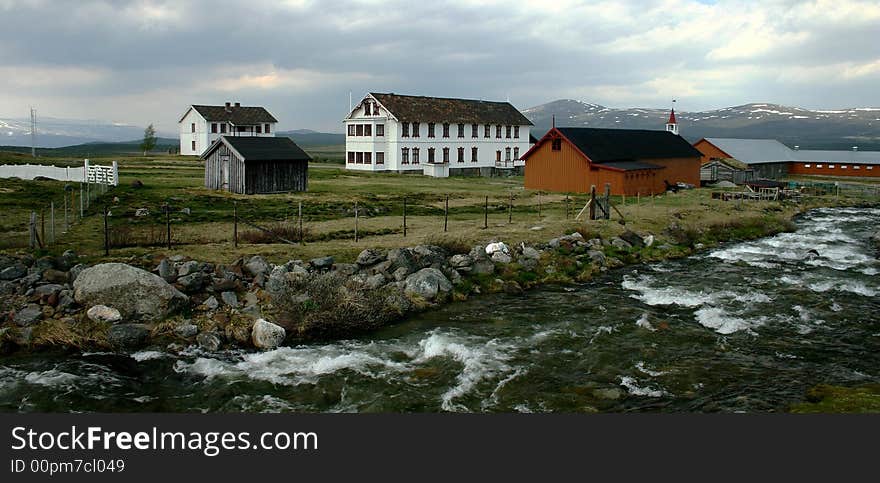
[(307, 137), (98, 148), (56, 132), (810, 129)]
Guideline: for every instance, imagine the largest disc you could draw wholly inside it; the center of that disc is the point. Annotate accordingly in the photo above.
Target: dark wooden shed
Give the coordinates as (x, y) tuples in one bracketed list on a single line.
[(253, 165)]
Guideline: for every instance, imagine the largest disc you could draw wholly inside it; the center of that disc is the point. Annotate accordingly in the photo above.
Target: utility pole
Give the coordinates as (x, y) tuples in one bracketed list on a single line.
[(33, 132)]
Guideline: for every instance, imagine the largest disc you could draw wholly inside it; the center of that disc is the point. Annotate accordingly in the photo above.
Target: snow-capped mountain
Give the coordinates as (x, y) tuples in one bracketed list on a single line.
[(54, 132), (792, 125)]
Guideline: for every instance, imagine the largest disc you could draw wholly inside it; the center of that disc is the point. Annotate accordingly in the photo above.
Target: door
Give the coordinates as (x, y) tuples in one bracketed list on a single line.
[(224, 173)]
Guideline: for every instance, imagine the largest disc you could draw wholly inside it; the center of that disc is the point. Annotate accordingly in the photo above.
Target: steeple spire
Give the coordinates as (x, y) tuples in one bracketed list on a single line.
[(672, 124)]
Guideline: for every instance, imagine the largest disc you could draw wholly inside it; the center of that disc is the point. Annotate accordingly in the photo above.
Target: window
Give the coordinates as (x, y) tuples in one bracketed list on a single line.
[(869, 168), (474, 154), (842, 166), (819, 166), (516, 132), (360, 130), (474, 130), (267, 129), (446, 129), (498, 156), (368, 158), (515, 153), (430, 129), (488, 131), (359, 158), (380, 158), (430, 155), (223, 128), (193, 145), (368, 111), (460, 155), (368, 130), (507, 131), (214, 128), (193, 127), (556, 145), (415, 131), (856, 166), (445, 155), (259, 129), (404, 156), (405, 133), (380, 131), (351, 129), (507, 154), (830, 166), (461, 130), (241, 128), (415, 159), (806, 165), (351, 157)]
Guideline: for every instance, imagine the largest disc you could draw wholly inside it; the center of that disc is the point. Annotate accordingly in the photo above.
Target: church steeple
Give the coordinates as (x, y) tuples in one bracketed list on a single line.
[(671, 124)]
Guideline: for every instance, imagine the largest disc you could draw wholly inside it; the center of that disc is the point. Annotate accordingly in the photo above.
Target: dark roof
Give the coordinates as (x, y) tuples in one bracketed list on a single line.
[(441, 109), (603, 145), (629, 165), (242, 115), (532, 139), (254, 148)]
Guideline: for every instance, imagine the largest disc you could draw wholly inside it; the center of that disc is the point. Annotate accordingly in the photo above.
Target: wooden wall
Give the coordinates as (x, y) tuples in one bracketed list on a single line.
[(845, 169), (276, 176), (564, 171), (686, 170), (709, 151), (213, 178)]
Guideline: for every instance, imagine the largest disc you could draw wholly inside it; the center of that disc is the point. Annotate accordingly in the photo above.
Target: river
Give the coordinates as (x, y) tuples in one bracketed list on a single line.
[(745, 327)]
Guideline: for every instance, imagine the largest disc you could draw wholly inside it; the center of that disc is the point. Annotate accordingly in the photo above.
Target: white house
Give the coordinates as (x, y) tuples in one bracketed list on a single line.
[(200, 126), (434, 135)]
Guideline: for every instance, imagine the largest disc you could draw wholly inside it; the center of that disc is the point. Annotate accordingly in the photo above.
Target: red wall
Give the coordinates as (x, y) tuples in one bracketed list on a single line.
[(846, 169)]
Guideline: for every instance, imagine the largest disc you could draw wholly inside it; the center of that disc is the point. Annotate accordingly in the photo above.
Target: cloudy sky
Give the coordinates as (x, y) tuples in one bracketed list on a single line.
[(144, 61)]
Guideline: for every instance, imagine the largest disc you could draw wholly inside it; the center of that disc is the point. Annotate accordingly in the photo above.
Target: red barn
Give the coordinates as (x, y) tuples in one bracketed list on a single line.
[(633, 161)]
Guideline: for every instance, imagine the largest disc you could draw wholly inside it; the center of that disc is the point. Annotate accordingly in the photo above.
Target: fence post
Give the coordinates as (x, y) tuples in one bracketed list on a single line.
[(66, 222), (81, 209), (607, 201), (52, 220), (168, 224), (539, 205), (88, 194), (32, 230), (446, 215), (42, 226), (592, 202), (355, 221), (404, 216), (301, 236), (486, 214), (509, 207), (106, 233), (235, 224), (115, 173)]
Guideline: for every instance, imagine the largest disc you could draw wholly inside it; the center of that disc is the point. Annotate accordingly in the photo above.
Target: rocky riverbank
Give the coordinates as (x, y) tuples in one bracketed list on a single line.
[(176, 302)]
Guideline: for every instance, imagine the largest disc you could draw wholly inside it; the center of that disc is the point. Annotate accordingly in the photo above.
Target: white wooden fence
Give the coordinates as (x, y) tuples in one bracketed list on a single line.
[(92, 173)]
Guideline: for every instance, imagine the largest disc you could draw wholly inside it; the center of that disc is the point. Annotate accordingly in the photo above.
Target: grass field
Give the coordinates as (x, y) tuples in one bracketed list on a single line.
[(202, 220)]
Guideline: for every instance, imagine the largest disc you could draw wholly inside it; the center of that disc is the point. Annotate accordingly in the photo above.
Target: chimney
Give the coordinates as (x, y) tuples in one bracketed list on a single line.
[(237, 104), (855, 148), (228, 107)]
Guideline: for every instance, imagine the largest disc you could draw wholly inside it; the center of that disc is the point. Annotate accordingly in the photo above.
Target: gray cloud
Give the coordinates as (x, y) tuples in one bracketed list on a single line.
[(144, 61)]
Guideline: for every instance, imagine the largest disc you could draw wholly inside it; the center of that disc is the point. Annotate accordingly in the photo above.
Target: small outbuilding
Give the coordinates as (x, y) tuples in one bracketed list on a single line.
[(255, 165)]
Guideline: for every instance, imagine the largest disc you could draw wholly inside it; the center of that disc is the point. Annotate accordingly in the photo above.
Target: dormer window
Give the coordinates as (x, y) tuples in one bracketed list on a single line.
[(368, 109), (556, 145)]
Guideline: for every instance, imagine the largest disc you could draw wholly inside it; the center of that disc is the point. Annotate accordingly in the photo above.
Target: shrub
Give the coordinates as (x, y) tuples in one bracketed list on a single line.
[(452, 245)]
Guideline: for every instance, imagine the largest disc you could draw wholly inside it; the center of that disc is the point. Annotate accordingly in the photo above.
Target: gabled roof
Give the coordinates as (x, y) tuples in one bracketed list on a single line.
[(442, 109), (241, 115), (752, 151), (255, 148), (604, 145)]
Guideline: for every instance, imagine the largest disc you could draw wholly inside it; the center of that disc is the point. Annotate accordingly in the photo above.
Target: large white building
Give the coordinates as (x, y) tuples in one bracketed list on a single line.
[(433, 135), (200, 126)]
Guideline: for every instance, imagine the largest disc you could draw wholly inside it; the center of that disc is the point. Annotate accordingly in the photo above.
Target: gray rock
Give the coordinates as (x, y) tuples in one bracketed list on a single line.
[(478, 252), (429, 256), (6, 288), (75, 271), (208, 341), (230, 299), (28, 315), (186, 330), (699, 246), (277, 281), (597, 257), (104, 314), (402, 258), (177, 258), (6, 261), (66, 301), (187, 268), (483, 267), (428, 283), (620, 243), (257, 265), (251, 299), (374, 281), (400, 274), (67, 260), (193, 282), (166, 271), (30, 280), (266, 335), (528, 263), (322, 263), (128, 336), (460, 262), (212, 303), (47, 290), (137, 294), (608, 393), (23, 336), (501, 257), (14, 272), (346, 269), (370, 257), (633, 238), (44, 263), (531, 252), (55, 276)]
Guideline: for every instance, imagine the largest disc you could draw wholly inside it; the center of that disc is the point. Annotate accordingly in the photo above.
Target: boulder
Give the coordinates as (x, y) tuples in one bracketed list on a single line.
[(166, 271), (75, 271), (531, 252), (230, 299), (65, 300), (370, 257), (6, 288), (187, 268), (14, 272), (461, 262), (374, 281), (478, 252), (67, 260), (496, 247), (402, 258), (44, 263), (136, 293), (483, 267), (28, 315), (429, 256), (186, 330), (105, 314), (633, 238), (428, 283), (211, 303), (55, 276), (193, 282), (649, 240), (257, 265), (322, 263), (128, 336), (266, 335), (597, 257), (501, 257), (620, 243), (346, 269), (208, 341), (44, 291)]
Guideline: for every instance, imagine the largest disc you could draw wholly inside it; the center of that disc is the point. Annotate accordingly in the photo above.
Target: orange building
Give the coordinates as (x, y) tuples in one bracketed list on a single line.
[(633, 161)]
